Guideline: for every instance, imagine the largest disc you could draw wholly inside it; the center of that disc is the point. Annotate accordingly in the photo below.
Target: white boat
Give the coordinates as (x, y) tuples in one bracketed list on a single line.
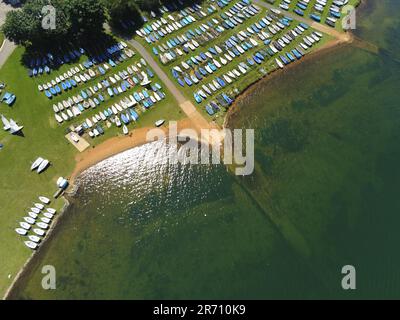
[(42, 225), (159, 123), (35, 210), (51, 210), (33, 238), (43, 166), (31, 244), (29, 220), (44, 199), (48, 215), (37, 163), (280, 64), (58, 118), (21, 231), (117, 122), (45, 220), (125, 130), (32, 215), (39, 232), (39, 206), (25, 225), (40, 88)]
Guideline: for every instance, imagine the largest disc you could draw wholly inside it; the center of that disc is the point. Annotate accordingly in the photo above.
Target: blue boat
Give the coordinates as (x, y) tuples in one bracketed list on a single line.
[(180, 82), (290, 57), (53, 91), (134, 115), (145, 94), (221, 82), (73, 82), (96, 101), (48, 94), (150, 73), (124, 119), (257, 60), (197, 98), (202, 71), (106, 113), (68, 84), (84, 95), (250, 61), (64, 86), (188, 81), (209, 110), (137, 97), (47, 69), (116, 92)]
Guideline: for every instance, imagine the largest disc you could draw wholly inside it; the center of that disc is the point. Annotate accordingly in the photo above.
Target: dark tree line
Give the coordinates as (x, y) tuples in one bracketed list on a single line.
[(74, 19)]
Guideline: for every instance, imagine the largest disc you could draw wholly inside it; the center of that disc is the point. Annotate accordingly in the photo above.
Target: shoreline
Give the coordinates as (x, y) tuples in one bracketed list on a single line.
[(136, 138), (334, 44)]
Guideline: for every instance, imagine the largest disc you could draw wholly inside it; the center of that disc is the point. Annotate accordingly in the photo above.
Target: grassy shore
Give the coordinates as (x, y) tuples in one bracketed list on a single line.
[(1, 38), (42, 137)]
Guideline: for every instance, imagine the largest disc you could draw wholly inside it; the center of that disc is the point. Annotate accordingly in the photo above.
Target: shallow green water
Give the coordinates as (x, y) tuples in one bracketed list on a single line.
[(324, 194)]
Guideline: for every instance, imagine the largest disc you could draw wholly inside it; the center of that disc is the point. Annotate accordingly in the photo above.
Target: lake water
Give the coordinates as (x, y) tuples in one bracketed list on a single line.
[(324, 194)]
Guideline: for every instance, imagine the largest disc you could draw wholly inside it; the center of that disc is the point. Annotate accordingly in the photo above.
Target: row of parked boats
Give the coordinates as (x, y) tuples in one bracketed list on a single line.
[(44, 64), (318, 9), (122, 113), (153, 32), (206, 63), (114, 85), (79, 75), (36, 223), (192, 39)]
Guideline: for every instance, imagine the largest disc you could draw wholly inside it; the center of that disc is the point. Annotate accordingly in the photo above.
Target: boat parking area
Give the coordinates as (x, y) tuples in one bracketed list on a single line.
[(81, 145)]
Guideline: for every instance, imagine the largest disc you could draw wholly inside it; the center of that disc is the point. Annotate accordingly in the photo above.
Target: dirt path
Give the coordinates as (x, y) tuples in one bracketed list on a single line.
[(187, 106)]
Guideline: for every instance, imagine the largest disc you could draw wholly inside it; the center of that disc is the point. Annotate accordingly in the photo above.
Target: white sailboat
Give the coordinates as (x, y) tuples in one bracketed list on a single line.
[(14, 127), (6, 123)]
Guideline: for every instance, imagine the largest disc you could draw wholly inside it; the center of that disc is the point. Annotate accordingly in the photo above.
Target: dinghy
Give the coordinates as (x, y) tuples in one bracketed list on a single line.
[(39, 206), (39, 232), (48, 215), (32, 215), (37, 163), (51, 210), (35, 210), (43, 165), (25, 225), (21, 231), (29, 220), (45, 220), (42, 225), (31, 245), (33, 238)]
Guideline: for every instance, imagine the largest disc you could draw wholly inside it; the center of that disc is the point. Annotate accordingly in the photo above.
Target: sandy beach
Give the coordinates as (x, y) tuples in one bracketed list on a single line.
[(115, 145)]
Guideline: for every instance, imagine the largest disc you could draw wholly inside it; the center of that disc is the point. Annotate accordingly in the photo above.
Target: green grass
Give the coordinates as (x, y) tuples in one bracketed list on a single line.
[(42, 137), (1, 38)]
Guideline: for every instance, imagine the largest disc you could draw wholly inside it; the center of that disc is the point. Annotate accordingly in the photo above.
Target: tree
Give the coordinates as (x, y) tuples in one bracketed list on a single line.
[(86, 16), (74, 18)]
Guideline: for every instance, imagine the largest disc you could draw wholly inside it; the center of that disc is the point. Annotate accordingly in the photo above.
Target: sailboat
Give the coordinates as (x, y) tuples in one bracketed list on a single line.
[(6, 123), (14, 127), (146, 80)]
